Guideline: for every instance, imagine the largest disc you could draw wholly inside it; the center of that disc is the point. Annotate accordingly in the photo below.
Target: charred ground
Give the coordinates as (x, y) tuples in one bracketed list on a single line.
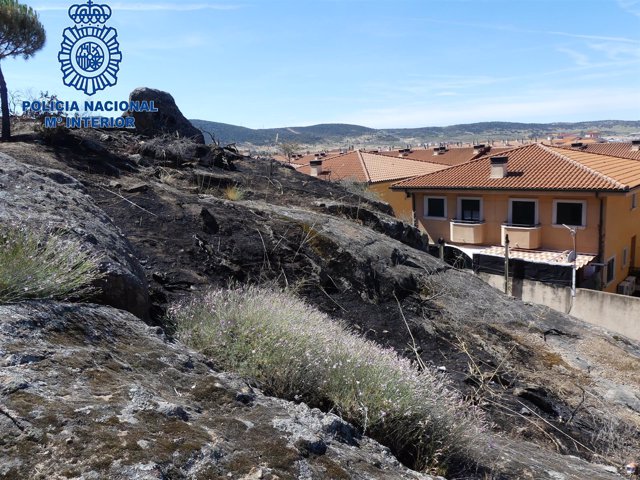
[(205, 216)]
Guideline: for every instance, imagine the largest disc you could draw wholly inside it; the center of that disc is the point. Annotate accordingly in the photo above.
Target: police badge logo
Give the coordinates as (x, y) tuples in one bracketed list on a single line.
[(90, 56)]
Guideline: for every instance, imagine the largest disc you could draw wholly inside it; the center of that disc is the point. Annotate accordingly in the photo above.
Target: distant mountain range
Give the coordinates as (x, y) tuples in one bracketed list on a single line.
[(338, 135)]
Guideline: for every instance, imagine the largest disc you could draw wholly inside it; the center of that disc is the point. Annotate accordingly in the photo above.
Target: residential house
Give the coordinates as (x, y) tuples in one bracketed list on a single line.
[(445, 155), (298, 160), (536, 194), (566, 140), (615, 149), (377, 171)]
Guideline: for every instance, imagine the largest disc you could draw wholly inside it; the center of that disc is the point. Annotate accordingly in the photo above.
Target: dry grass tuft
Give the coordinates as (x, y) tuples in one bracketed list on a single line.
[(361, 189), (234, 193), (37, 265), (296, 352), (168, 176)]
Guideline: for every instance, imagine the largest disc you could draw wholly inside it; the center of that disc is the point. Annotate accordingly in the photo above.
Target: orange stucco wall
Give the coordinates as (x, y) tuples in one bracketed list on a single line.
[(402, 206), (621, 222), (496, 213)]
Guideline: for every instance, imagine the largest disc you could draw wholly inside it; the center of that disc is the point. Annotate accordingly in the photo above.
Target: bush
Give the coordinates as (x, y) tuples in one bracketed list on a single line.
[(36, 265), (234, 193), (296, 352)]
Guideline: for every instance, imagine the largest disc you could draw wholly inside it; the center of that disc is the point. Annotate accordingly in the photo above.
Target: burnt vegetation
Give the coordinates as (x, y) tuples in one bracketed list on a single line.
[(202, 216)]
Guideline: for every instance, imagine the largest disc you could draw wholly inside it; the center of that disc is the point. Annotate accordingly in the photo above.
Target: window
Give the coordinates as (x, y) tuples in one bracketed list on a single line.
[(611, 270), (470, 209), (572, 213), (634, 201), (523, 212), (435, 207)]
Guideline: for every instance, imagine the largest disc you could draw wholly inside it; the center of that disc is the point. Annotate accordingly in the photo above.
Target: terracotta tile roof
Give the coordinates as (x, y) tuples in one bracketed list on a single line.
[(537, 167), (383, 169), (622, 150), (567, 140), (624, 171), (341, 167), (300, 160), (371, 167), (453, 155)]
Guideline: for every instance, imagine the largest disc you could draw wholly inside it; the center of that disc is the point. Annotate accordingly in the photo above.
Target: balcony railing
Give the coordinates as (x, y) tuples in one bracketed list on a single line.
[(522, 236), (464, 231)]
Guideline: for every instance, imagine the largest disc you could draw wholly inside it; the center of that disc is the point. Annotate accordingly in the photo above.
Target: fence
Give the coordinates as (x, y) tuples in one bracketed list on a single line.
[(617, 313)]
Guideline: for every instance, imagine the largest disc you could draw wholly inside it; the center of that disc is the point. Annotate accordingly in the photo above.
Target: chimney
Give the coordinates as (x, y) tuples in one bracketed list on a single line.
[(498, 167), (316, 167), (477, 149), (635, 146), (439, 151)]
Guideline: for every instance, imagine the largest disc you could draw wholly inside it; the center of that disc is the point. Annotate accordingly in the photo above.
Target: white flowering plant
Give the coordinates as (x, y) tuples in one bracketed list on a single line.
[(296, 352)]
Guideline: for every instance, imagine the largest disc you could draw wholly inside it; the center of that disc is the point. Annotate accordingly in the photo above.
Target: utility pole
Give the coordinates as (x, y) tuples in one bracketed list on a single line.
[(506, 264)]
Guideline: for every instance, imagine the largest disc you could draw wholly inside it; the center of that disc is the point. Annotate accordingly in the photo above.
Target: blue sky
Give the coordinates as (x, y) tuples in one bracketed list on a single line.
[(379, 63)]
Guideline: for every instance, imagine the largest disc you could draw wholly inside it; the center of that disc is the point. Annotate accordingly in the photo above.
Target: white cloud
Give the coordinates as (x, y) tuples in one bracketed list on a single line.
[(424, 86), (585, 37), (634, 6), (578, 58), (631, 6), (151, 7), (617, 51), (536, 106)]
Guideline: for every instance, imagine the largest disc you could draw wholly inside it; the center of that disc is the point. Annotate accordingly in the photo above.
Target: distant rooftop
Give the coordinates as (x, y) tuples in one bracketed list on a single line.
[(370, 167), (447, 155), (622, 150)]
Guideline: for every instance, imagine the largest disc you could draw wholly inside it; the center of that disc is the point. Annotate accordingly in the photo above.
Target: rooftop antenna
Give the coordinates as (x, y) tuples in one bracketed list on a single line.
[(573, 257)]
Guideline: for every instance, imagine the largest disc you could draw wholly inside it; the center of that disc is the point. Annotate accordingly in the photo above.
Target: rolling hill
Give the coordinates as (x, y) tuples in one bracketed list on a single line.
[(336, 135)]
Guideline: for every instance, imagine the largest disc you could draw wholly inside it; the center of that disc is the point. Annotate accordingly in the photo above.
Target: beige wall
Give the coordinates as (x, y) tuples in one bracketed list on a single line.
[(496, 212), (402, 206), (617, 313), (556, 297)]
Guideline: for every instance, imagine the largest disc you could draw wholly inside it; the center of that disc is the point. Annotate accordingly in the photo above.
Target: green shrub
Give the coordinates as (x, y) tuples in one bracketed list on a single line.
[(296, 352), (37, 265)]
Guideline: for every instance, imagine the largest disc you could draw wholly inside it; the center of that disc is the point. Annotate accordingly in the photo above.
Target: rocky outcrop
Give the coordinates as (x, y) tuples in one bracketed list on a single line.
[(555, 388), (350, 259), (169, 151), (354, 255), (376, 220), (90, 392), (168, 120), (47, 199)]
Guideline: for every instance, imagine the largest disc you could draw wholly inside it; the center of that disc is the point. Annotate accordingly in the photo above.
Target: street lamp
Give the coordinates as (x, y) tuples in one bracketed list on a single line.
[(574, 254)]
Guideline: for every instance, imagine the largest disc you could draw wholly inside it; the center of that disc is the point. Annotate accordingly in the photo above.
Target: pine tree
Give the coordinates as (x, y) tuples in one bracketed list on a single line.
[(21, 34)]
